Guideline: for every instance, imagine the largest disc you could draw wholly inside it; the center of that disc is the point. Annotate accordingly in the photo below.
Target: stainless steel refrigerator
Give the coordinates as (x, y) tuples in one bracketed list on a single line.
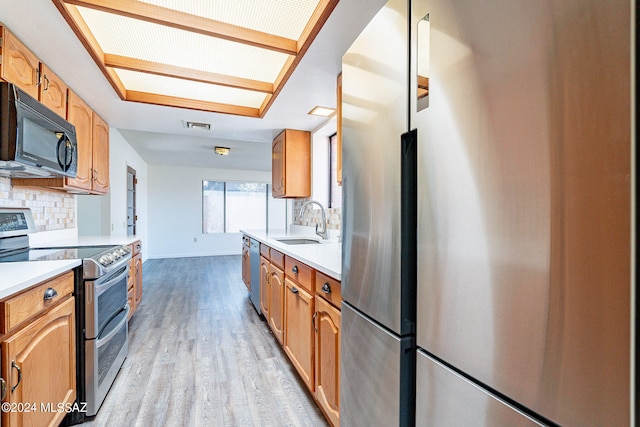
[(488, 205)]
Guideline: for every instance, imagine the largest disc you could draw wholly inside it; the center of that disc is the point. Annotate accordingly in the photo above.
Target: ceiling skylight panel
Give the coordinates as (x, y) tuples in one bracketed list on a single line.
[(285, 18), (134, 38), (149, 83)]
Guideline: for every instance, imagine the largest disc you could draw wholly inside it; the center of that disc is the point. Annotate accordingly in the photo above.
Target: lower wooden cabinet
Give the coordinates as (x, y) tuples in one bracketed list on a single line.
[(134, 297), (327, 359), (302, 307), (137, 284), (276, 302), (265, 289), (298, 337), (246, 263), (39, 363)]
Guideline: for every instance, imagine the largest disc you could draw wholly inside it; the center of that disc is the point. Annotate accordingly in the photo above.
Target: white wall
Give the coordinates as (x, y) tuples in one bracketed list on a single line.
[(107, 215), (175, 200)]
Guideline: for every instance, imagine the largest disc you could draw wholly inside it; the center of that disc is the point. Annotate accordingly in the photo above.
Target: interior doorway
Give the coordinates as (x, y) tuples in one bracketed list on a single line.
[(132, 216)]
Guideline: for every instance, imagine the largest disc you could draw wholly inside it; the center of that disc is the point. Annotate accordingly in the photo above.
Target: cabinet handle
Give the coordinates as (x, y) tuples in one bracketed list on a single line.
[(294, 290), (313, 321), (3, 389), (46, 83), (50, 294), (15, 365), (295, 269), (326, 288)]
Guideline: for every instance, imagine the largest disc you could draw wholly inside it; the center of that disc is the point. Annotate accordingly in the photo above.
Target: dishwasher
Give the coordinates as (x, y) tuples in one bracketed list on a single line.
[(254, 260)]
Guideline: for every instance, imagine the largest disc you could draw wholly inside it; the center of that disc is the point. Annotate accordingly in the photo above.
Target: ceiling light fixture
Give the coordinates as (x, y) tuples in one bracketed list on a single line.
[(222, 151), (322, 111)]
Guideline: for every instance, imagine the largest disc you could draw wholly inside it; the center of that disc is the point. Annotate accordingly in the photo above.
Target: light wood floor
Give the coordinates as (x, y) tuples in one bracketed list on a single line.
[(199, 355)]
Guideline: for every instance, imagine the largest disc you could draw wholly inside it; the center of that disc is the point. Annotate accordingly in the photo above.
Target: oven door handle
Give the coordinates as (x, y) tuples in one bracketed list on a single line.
[(99, 289), (104, 340)]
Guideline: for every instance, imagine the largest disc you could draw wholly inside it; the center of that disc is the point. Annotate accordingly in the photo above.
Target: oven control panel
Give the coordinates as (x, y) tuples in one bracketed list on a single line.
[(105, 262), (108, 258)]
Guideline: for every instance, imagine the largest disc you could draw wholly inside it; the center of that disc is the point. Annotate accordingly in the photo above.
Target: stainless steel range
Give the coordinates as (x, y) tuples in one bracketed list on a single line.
[(101, 304)]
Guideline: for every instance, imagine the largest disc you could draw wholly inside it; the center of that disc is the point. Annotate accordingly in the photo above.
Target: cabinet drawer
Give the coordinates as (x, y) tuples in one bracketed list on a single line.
[(264, 250), (299, 272), (329, 289), (21, 307), (277, 258)]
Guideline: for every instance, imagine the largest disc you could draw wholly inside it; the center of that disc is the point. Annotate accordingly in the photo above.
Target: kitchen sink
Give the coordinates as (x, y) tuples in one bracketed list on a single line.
[(298, 241)]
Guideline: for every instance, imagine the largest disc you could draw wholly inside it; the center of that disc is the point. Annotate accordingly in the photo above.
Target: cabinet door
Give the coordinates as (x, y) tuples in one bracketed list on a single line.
[(265, 289), (19, 65), (81, 116), (40, 364), (298, 337), (327, 352), (276, 302), (278, 166), (246, 267), (100, 155), (53, 92), (137, 285)]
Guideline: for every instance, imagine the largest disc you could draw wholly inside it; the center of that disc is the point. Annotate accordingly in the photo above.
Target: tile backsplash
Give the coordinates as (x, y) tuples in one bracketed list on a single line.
[(52, 210), (313, 216)]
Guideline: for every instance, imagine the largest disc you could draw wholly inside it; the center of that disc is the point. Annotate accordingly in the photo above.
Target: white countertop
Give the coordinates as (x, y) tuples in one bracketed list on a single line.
[(18, 276), (74, 241), (325, 257)]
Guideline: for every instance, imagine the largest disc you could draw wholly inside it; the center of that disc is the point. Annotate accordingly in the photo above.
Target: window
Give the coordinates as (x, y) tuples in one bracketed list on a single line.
[(228, 207)]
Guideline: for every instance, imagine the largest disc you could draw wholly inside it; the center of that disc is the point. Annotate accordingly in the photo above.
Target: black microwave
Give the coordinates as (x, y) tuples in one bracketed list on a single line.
[(34, 141)]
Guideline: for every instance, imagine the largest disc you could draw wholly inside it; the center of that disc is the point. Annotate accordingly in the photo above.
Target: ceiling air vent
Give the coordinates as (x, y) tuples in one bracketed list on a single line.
[(196, 125)]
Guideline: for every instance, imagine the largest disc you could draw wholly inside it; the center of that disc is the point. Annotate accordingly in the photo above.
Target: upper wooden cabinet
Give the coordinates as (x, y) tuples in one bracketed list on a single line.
[(93, 147), (53, 91), (81, 116), (19, 65), (23, 68), (92, 134), (100, 156), (291, 164)]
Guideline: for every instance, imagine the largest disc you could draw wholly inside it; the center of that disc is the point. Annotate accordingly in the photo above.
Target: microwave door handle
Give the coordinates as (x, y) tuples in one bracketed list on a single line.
[(62, 162), (65, 163)]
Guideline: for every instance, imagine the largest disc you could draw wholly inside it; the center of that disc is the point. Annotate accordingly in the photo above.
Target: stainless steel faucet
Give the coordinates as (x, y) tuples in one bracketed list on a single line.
[(322, 232)]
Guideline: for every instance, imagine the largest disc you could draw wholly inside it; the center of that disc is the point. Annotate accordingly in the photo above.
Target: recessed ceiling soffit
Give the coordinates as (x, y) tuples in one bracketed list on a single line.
[(224, 56)]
